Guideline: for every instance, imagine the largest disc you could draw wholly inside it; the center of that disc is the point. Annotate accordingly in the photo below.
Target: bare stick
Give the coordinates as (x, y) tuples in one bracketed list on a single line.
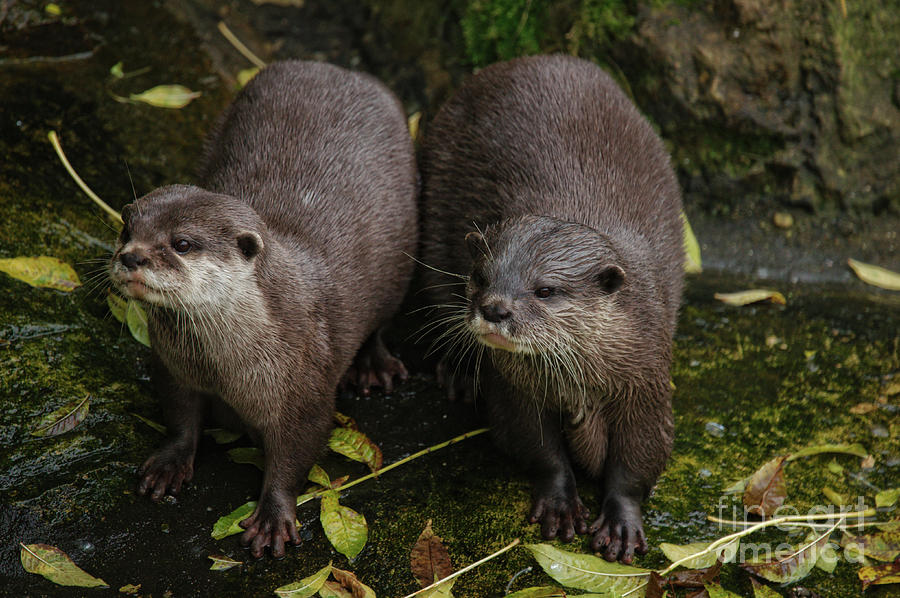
[(54, 140), (239, 45)]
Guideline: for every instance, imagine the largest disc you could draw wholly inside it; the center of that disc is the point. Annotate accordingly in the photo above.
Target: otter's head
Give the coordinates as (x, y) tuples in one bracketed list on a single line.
[(540, 285), (182, 247)]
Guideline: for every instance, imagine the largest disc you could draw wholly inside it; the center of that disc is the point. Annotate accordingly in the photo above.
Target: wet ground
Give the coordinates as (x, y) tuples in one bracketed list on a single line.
[(774, 379)]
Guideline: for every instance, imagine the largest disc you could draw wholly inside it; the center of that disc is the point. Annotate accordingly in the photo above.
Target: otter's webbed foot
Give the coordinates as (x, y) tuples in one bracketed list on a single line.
[(456, 382), (374, 366), (559, 511), (618, 533), (272, 524), (166, 470)]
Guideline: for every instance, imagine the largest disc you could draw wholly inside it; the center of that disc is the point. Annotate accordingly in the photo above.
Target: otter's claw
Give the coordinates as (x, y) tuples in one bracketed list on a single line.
[(165, 472), (269, 525), (618, 533), (559, 517)]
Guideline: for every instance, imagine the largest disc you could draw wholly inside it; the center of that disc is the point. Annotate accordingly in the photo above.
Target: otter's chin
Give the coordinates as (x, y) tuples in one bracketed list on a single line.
[(498, 341)]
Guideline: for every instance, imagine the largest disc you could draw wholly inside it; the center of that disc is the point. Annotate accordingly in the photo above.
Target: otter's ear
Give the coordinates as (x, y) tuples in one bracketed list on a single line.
[(250, 244), (477, 245), (611, 279)]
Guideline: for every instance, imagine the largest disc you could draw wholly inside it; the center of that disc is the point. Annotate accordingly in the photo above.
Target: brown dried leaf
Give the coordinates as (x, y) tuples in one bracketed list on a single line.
[(766, 489), (63, 419), (881, 546), (349, 581), (790, 567), (429, 559)]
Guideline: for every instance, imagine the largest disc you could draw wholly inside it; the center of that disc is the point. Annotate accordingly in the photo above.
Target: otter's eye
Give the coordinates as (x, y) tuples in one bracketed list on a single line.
[(181, 245), (544, 292)]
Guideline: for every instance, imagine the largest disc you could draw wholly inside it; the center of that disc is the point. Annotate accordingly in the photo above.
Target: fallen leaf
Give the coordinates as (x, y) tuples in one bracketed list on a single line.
[(158, 427), (766, 489), (166, 96), (412, 122), (834, 497), (810, 451), (880, 574), (349, 581), (42, 271), (863, 408), (782, 219), (738, 487), (317, 475), (307, 586), (538, 592), (345, 528), (130, 589), (828, 557), (355, 445), (248, 455), (227, 525), (881, 546), (429, 558), (136, 318), (692, 262), (751, 296), (835, 467), (887, 498), (761, 590), (588, 572), (675, 552), (55, 565), (790, 567), (892, 389), (868, 462), (117, 70), (244, 76), (220, 562), (875, 275), (345, 421), (117, 306), (53, 9), (333, 589), (63, 419)]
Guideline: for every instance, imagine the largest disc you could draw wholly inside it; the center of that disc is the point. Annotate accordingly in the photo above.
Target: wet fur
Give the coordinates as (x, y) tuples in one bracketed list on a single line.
[(568, 183), (303, 221)]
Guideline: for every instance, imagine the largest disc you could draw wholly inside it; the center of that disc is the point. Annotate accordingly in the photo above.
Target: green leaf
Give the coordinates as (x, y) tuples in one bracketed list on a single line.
[(166, 96), (879, 574), (307, 586), (53, 9), (117, 70), (676, 552), (538, 592), (222, 436), (355, 445), (738, 487), (875, 275), (136, 318), (130, 589), (317, 475), (158, 427), (761, 590), (220, 562), (63, 419), (333, 589), (847, 449), (442, 590), (828, 558), (792, 566), (881, 546), (248, 455), (55, 565), (751, 296), (692, 261), (835, 467), (887, 498), (834, 497), (117, 306), (345, 528), (42, 271), (228, 525), (716, 591), (244, 76), (588, 572)]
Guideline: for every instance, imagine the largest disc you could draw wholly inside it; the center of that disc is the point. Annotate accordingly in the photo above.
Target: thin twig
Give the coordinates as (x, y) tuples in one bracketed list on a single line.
[(509, 546), (239, 45), (54, 140)]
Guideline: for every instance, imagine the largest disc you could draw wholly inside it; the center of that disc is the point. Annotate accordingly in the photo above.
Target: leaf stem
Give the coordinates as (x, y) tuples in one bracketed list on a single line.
[(239, 45), (54, 140), (465, 569)]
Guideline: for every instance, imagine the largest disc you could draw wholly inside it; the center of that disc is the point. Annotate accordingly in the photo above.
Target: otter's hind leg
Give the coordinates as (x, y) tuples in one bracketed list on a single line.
[(534, 437), (374, 366), (173, 463)]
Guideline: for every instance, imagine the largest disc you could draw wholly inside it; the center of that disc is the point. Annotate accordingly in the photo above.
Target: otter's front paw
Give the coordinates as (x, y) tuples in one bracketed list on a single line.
[(560, 516), (165, 471), (374, 367), (455, 381), (618, 533), (271, 524)]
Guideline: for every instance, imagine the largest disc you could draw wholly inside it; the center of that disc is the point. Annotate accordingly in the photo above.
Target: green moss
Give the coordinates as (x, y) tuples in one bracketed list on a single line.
[(502, 29)]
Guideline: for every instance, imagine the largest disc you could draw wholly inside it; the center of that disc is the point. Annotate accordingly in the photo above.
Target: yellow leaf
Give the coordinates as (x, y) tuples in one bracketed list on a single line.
[(751, 296), (53, 10), (244, 76), (875, 275), (413, 123), (42, 271), (692, 261), (166, 96)]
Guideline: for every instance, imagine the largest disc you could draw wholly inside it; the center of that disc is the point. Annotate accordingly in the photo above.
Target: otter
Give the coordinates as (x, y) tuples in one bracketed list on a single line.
[(552, 204), (265, 280)]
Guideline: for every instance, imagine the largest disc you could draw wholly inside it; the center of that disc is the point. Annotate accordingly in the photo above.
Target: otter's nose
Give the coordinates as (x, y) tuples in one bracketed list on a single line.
[(132, 260), (495, 312)]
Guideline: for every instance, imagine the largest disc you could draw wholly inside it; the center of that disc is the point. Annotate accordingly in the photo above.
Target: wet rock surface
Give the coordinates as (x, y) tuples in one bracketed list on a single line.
[(772, 379)]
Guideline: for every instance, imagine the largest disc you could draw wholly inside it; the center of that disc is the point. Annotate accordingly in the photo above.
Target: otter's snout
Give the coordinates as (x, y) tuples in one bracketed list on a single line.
[(133, 260), (495, 312)]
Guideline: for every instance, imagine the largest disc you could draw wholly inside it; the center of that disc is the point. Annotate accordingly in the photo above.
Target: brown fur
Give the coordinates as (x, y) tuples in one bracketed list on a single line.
[(299, 238), (574, 194)]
